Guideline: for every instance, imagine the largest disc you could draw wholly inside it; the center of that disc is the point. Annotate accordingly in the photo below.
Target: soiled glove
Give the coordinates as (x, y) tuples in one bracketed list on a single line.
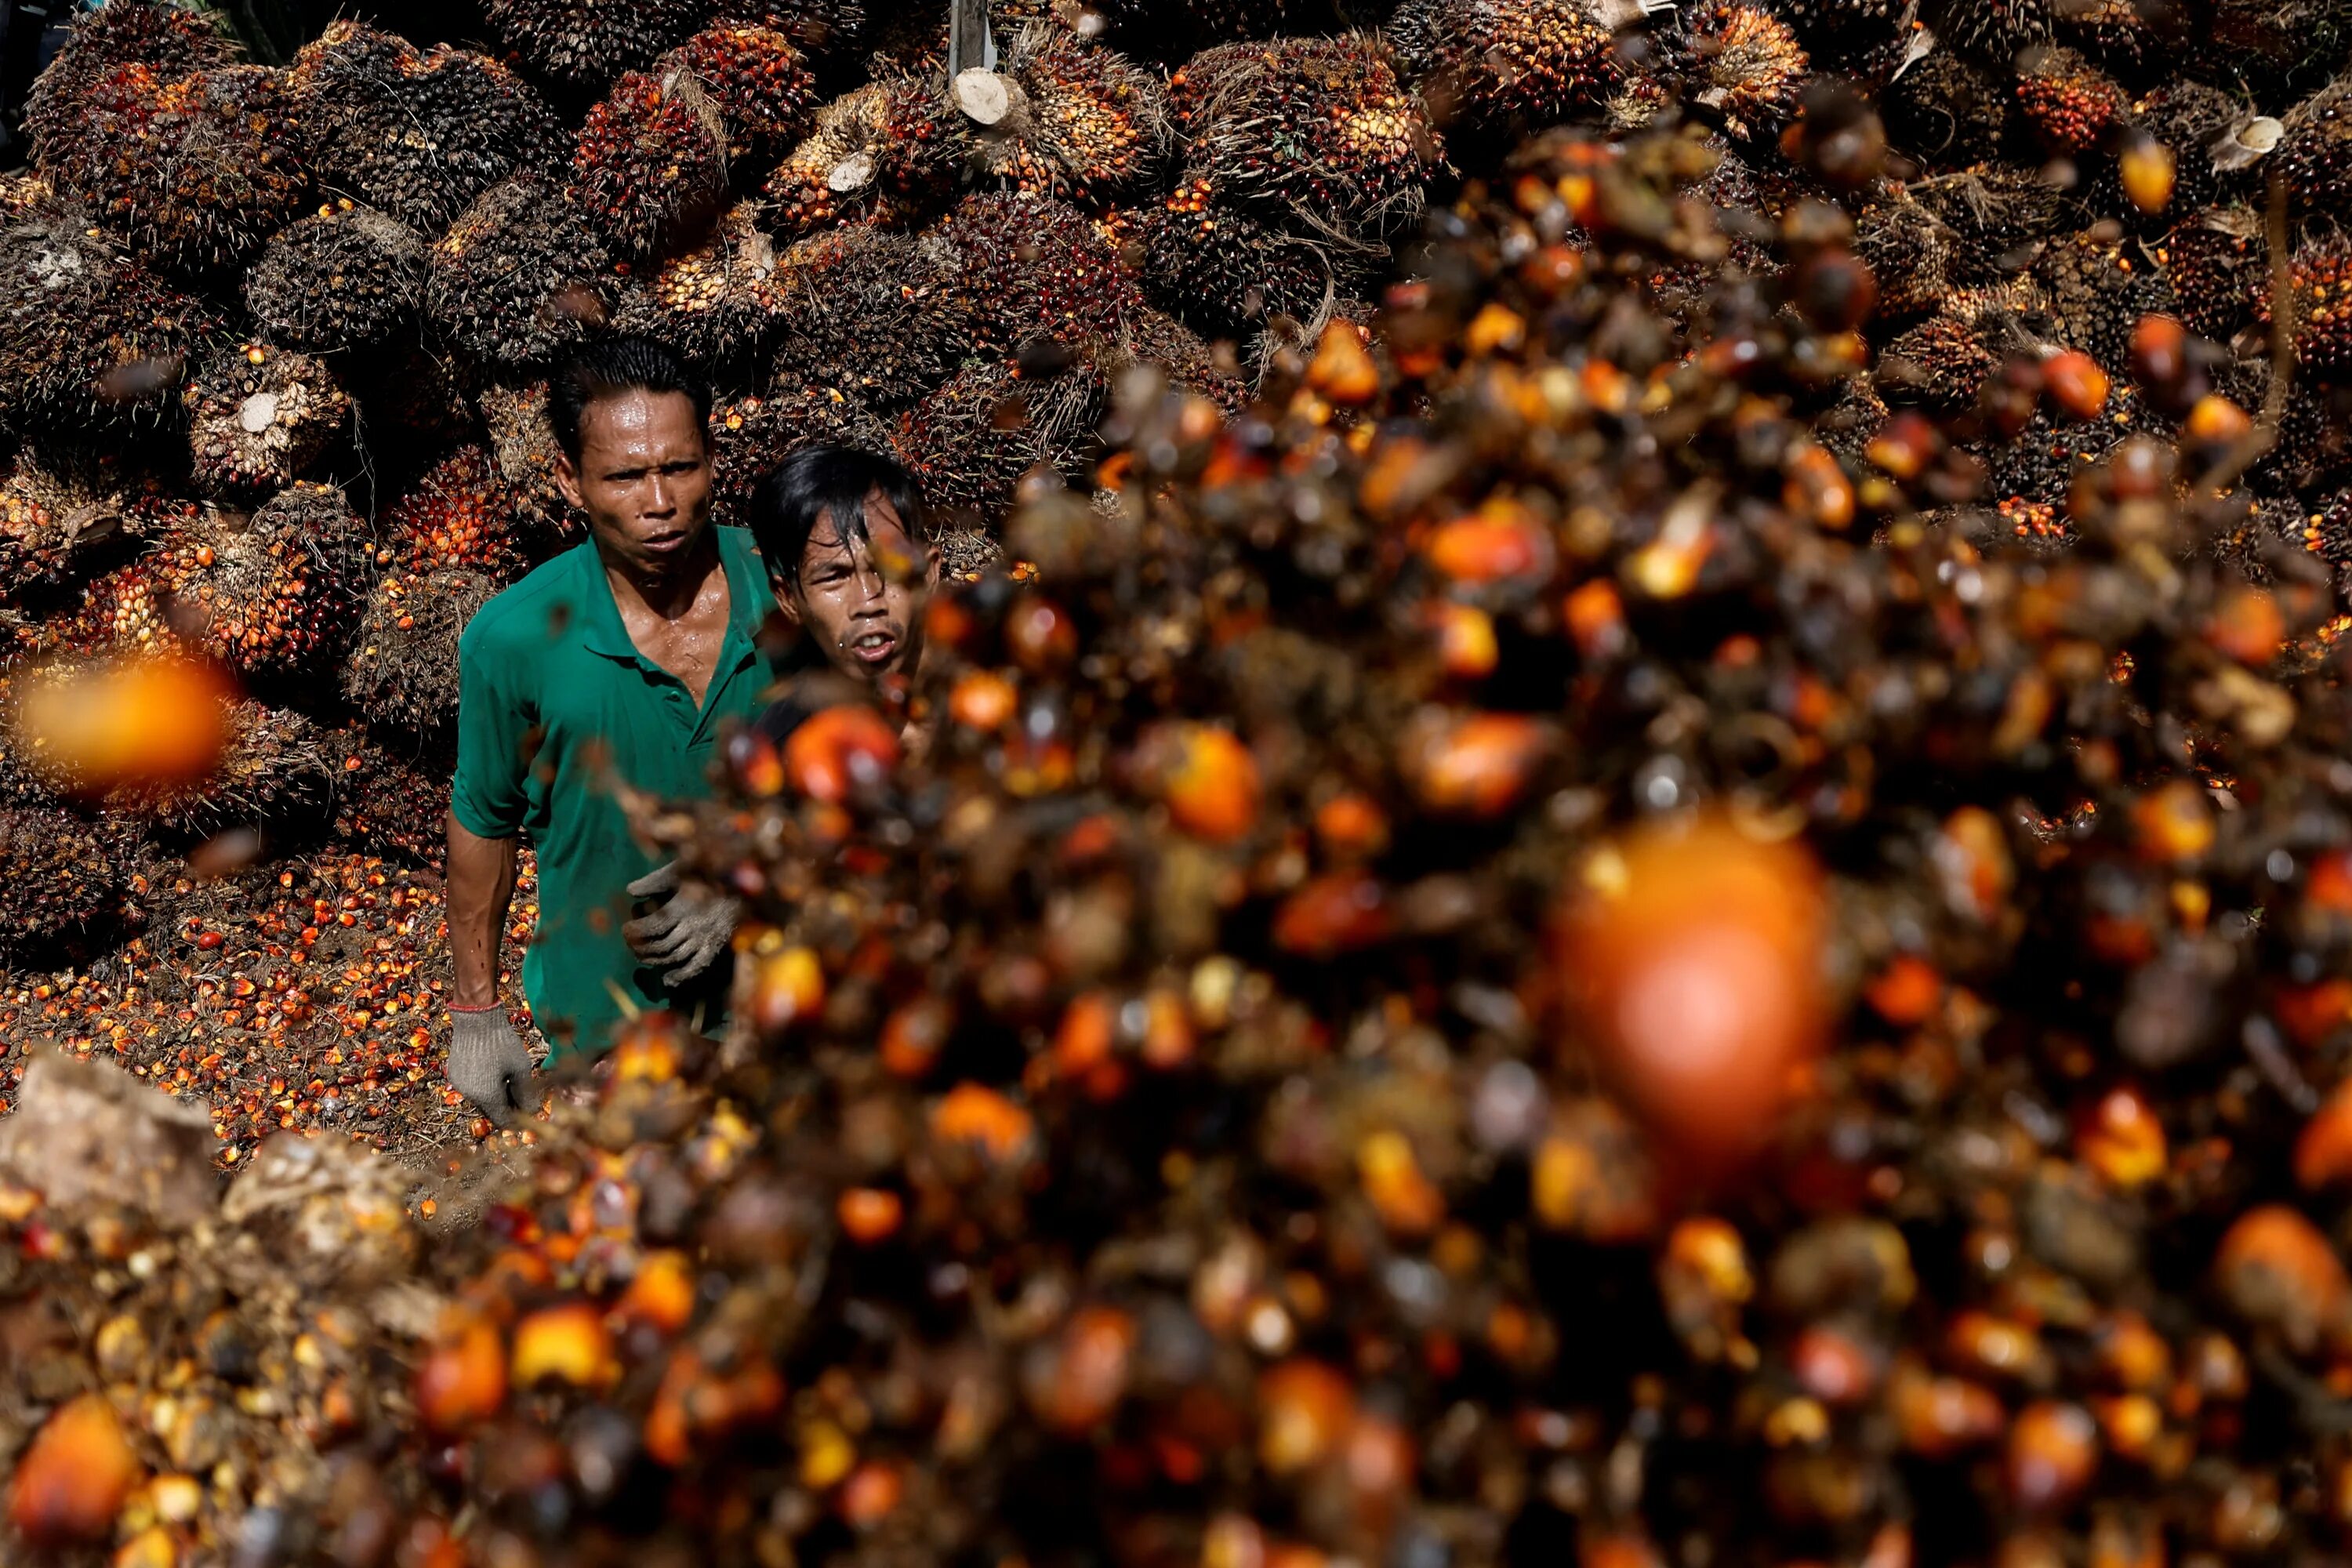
[(685, 932), (489, 1063)]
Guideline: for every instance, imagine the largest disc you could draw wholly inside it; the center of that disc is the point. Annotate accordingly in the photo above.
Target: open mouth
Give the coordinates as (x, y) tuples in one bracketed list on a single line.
[(663, 543), (875, 647)]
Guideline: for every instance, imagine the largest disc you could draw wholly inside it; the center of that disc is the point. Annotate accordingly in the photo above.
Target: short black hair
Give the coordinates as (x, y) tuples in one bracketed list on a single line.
[(611, 364), (822, 478)]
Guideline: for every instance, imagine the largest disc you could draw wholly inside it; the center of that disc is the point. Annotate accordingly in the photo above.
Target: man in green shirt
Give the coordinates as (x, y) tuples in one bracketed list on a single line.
[(620, 660)]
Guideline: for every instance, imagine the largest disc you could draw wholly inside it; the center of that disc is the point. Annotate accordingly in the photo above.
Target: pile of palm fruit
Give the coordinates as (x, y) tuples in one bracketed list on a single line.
[(1653, 861)]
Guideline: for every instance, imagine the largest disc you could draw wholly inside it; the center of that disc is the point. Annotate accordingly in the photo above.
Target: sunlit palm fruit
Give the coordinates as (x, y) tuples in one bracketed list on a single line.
[(1321, 125), (1746, 64), (417, 135), (718, 302), (1081, 121), (345, 278), (169, 40), (402, 671), (823, 30), (1032, 268), (2320, 275), (2071, 103), (1507, 65), (275, 766), (879, 316), (520, 276), (761, 84), (63, 509), (882, 151), (458, 515), (649, 168)]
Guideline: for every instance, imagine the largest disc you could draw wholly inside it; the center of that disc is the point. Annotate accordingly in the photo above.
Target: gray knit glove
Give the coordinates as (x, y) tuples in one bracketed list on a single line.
[(685, 930), (489, 1063)]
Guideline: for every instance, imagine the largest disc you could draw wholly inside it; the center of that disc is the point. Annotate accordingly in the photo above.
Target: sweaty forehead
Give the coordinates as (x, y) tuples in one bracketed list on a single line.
[(638, 427), (882, 527)]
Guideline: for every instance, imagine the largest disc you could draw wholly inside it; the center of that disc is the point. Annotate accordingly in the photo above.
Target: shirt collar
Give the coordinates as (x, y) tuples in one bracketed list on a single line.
[(748, 595)]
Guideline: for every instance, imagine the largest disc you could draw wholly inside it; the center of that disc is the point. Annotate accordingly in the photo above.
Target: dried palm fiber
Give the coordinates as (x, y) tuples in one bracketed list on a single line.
[(402, 672), (1033, 268), (879, 316), (749, 435), (1321, 125), (718, 302), (761, 83), (269, 593), (194, 171), (345, 278), (1189, 361), (1947, 112), (584, 44), (1076, 121), (522, 440), (458, 516), (169, 40), (2213, 266), (883, 152), (1990, 32), (1743, 64), (65, 508), (969, 442), (85, 334), (2097, 291), (1995, 214), (649, 168), (520, 276), (417, 135), (62, 873), (1908, 251), (1506, 66), (1224, 268), (258, 418), (390, 803), (2071, 104)]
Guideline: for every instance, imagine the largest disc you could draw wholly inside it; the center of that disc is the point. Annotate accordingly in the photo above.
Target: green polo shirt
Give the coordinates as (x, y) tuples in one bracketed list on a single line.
[(550, 692)]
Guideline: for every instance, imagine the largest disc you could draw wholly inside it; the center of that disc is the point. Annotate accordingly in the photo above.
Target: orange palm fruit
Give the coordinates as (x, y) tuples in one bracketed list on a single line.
[(840, 750), (74, 1479)]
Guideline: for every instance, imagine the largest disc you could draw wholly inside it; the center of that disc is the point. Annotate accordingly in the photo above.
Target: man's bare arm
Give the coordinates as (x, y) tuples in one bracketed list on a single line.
[(480, 893)]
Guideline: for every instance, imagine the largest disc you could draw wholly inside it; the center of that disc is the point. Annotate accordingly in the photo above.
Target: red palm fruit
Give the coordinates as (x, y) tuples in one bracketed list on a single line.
[(1698, 952), (75, 1477), (840, 751), (463, 1379), (1207, 778), (2279, 1271)]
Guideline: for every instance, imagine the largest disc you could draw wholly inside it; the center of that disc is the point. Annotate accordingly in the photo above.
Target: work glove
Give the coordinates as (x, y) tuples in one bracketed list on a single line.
[(685, 930), (489, 1063)]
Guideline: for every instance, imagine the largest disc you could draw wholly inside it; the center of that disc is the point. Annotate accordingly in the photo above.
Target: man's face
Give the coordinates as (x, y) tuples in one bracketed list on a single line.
[(860, 593), (642, 478)]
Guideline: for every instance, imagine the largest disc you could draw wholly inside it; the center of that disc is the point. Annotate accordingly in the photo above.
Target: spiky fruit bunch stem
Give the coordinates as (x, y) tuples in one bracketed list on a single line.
[(63, 509), (195, 172), (761, 82), (258, 418), (650, 165), (1081, 121), (522, 275), (345, 278), (417, 135), (1321, 125)]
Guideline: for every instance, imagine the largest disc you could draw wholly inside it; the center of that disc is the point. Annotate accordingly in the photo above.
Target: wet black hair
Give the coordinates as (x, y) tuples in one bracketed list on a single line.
[(821, 478), (612, 364)]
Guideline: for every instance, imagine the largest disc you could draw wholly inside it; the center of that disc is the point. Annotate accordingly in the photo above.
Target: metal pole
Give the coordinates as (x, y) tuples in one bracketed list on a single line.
[(970, 47)]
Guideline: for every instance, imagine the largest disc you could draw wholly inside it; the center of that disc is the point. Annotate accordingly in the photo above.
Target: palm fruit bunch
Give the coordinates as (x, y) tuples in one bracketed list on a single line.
[(1744, 65), (2071, 103), (63, 509), (1156, 341), (2314, 150), (716, 303), (417, 135), (1991, 33), (391, 803), (582, 44), (1225, 268), (62, 875), (751, 434), (345, 277), (827, 31), (169, 41), (761, 83), (2319, 275), (2213, 265), (258, 419), (1034, 267), (970, 443), (881, 152), (1506, 67), (87, 336), (873, 313), (1947, 113), (272, 592), (1173, 29), (458, 515), (1321, 126), (2097, 292), (650, 166), (522, 443), (1078, 121), (1996, 214), (2182, 122), (520, 276), (402, 675), (194, 172), (1864, 39)]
